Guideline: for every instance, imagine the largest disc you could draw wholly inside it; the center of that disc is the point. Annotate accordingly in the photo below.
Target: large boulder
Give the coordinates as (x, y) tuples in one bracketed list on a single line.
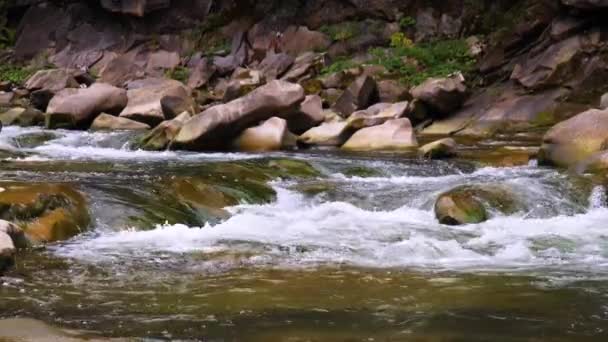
[(359, 95), (52, 80), (107, 122), (442, 95), (393, 135), (45, 212), (242, 82), (474, 204), (162, 135), (327, 134), (555, 66), (77, 108), (309, 115), (275, 65), (443, 148), (306, 66), (378, 114), (596, 163), (271, 135), (299, 39), (144, 104), (22, 117), (218, 125), (575, 139)]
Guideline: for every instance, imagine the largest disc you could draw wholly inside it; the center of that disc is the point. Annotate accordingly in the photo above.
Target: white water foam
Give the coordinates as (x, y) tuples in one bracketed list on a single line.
[(98, 146), (297, 231)]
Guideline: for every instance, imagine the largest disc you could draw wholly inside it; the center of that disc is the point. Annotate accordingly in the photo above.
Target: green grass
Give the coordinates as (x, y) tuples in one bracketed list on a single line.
[(338, 65), (413, 64), (15, 74), (341, 32)]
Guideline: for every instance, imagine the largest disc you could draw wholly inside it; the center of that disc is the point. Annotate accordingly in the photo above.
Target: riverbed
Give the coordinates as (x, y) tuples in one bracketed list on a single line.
[(348, 250)]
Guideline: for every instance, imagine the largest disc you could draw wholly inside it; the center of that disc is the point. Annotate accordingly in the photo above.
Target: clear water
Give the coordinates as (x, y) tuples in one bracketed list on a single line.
[(360, 258)]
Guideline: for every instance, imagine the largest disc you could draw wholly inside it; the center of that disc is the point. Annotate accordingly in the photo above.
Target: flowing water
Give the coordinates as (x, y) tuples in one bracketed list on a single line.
[(348, 251)]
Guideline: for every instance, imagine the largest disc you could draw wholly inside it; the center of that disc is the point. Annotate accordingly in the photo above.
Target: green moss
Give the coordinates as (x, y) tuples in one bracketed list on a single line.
[(545, 118)]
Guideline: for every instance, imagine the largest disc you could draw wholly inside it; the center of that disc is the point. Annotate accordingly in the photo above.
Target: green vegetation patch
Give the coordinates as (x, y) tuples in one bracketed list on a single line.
[(14, 73), (413, 64)]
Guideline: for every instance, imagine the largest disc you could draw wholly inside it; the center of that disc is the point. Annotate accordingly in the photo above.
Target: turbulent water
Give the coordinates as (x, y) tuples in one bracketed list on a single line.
[(353, 253)]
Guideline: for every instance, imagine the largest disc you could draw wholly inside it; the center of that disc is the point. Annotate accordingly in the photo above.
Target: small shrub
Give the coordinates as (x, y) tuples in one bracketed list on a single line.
[(14, 74), (341, 32), (338, 65), (407, 22), (179, 74), (413, 64)]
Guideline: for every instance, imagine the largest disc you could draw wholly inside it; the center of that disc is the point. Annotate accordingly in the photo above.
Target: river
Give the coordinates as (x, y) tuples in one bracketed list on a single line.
[(351, 251)]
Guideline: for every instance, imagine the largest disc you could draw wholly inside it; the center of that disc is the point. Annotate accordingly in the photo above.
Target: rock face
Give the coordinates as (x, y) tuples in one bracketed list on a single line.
[(107, 122), (393, 135), (439, 149), (163, 134), (271, 135), (470, 204), (359, 95), (144, 100), (52, 80), (443, 95), (212, 128), (575, 139), (45, 212), (135, 7), (77, 108)]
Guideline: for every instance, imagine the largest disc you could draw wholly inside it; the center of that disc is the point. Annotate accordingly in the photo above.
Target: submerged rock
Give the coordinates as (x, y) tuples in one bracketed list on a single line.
[(45, 212), (271, 135), (35, 139), (215, 127), (393, 135), (575, 139), (111, 123), (439, 149), (472, 204), (11, 238)]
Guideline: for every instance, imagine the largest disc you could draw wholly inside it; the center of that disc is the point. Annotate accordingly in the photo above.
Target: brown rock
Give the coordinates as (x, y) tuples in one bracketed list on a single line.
[(443, 95), (144, 104), (309, 115), (393, 135), (271, 135), (107, 122), (77, 108), (216, 126), (359, 95)]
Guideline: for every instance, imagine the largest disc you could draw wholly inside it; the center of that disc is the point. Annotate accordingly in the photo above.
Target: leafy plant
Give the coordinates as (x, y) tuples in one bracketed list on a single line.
[(413, 64), (407, 22), (338, 65), (341, 32), (179, 74), (14, 74)]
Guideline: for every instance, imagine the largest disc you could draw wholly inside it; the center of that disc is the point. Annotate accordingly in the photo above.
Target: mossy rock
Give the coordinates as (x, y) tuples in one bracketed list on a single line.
[(314, 188), (45, 212), (470, 204), (32, 140), (360, 171), (292, 168)]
